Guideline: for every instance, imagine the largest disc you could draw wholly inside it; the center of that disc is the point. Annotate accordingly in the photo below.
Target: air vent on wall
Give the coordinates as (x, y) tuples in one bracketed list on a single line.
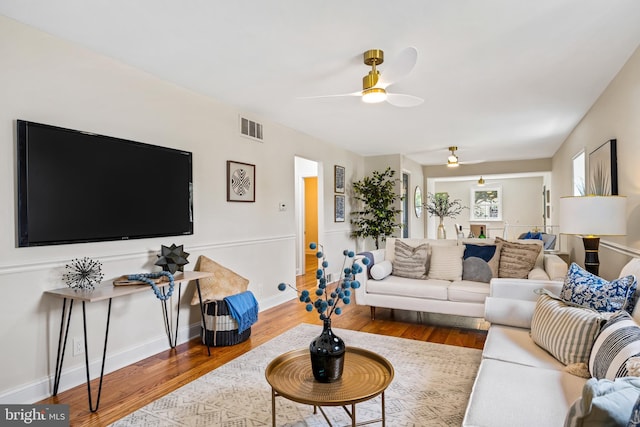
[(251, 129)]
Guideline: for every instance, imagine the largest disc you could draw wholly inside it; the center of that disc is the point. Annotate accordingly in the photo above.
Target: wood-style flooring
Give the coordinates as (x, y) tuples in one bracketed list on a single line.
[(136, 385)]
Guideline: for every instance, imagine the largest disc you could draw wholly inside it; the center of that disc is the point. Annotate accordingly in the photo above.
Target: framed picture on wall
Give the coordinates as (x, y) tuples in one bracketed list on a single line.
[(486, 204), (603, 170), (339, 208), (241, 182), (338, 178)]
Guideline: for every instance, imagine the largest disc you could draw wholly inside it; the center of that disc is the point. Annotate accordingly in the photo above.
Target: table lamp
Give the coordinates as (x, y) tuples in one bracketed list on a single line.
[(592, 217)]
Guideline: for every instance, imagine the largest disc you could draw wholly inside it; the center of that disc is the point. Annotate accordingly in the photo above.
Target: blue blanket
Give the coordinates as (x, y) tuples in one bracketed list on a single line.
[(244, 309)]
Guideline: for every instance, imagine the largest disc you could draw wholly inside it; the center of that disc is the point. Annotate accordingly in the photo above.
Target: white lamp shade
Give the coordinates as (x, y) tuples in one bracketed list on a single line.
[(593, 215)]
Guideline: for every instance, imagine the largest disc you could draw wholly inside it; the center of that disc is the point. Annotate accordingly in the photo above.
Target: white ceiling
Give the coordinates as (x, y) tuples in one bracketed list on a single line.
[(501, 79)]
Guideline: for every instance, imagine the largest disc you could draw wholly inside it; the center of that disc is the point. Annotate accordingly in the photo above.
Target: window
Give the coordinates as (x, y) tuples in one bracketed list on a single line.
[(579, 176)]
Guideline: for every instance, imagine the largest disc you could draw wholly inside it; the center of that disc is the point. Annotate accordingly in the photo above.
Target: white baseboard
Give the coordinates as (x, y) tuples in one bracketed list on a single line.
[(72, 377)]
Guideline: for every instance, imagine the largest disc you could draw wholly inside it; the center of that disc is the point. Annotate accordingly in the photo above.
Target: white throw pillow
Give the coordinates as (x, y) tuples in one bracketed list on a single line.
[(446, 262), (381, 270)]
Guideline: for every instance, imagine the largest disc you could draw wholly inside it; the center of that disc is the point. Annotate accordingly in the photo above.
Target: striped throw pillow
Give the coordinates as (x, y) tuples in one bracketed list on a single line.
[(618, 341), (517, 259), (564, 331), (409, 261)]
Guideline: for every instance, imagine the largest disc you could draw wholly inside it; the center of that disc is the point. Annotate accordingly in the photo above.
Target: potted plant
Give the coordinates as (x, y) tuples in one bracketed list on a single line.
[(440, 205), (377, 218)]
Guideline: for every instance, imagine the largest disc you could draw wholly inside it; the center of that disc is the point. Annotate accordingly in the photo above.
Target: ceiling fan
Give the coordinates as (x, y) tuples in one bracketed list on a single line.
[(452, 157), (375, 84)]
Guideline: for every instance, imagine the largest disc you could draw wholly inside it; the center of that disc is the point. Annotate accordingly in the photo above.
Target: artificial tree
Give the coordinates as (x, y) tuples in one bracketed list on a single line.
[(377, 218)]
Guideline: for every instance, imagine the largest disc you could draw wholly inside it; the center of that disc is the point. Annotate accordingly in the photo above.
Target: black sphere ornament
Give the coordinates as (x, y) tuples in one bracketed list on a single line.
[(172, 258)]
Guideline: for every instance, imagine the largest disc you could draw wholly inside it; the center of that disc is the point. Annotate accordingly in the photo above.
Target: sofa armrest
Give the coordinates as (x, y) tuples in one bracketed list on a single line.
[(363, 277), (538, 274), (555, 267), (522, 289)]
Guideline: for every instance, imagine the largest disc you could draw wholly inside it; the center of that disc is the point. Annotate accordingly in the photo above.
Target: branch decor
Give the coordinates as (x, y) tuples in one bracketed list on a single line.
[(440, 205), (328, 299), (327, 350)]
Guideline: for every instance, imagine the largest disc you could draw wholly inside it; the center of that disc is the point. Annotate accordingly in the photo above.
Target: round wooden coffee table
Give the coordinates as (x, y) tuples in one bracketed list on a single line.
[(365, 376)]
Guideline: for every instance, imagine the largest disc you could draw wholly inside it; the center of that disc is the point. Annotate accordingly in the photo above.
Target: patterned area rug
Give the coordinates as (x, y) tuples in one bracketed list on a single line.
[(431, 387)]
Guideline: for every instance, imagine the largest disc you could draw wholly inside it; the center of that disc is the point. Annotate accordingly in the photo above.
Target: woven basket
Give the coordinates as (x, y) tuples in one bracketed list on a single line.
[(220, 328)]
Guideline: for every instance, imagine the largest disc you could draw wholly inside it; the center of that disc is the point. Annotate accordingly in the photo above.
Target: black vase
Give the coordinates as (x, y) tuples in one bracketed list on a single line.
[(327, 355)]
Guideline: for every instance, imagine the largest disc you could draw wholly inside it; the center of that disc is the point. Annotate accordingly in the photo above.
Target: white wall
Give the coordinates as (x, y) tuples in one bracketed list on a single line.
[(614, 115), (47, 80), (416, 178)]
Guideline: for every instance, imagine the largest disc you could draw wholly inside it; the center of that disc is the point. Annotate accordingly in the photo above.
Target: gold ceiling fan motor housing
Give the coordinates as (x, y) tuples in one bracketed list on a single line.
[(372, 58)]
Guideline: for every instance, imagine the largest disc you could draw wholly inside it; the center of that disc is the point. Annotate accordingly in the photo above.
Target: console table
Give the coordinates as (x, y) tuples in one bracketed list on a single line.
[(106, 291)]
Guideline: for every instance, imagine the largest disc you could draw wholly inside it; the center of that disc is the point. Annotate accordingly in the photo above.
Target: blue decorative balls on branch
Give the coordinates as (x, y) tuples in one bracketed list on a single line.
[(328, 296)]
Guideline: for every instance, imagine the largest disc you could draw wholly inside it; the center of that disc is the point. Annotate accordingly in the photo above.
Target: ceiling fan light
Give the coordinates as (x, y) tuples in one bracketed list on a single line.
[(374, 95), (452, 162)]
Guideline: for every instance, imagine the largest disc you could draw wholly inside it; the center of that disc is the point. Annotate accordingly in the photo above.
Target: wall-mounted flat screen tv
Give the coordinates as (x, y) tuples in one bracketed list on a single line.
[(81, 187)]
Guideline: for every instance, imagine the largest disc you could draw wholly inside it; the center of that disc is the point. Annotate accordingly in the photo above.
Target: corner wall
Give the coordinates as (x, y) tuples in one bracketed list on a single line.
[(47, 80)]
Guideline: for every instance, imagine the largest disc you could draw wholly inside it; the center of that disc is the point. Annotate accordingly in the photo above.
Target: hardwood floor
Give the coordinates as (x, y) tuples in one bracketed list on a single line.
[(136, 385)]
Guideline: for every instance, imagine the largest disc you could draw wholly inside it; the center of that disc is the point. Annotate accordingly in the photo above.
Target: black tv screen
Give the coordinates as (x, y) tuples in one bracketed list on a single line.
[(80, 187)]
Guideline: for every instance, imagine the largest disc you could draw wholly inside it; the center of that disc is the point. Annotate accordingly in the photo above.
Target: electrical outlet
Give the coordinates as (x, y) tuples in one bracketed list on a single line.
[(78, 346)]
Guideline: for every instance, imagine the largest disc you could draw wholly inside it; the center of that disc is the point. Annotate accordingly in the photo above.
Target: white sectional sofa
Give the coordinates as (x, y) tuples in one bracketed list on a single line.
[(455, 297), (519, 383)]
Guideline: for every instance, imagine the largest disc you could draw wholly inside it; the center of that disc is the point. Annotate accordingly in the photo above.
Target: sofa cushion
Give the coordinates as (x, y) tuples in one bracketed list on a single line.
[(514, 345), (468, 291), (409, 261), (618, 341), (381, 270), (564, 331), (587, 289), (517, 259), (446, 262), (509, 394), (488, 252), (604, 403), (476, 270), (402, 286)]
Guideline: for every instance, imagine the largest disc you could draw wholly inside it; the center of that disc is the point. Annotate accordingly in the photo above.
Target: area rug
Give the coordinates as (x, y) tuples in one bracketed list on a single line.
[(431, 387)]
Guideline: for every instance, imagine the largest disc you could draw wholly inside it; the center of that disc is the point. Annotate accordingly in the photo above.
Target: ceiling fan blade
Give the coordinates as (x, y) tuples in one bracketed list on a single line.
[(399, 68), (400, 100), (331, 96)]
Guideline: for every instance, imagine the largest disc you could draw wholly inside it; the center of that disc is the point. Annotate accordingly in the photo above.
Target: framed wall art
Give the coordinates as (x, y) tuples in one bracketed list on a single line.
[(338, 178), (241, 182), (603, 170), (339, 208), (486, 204)]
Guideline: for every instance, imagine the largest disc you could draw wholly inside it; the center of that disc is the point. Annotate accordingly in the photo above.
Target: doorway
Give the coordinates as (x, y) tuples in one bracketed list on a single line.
[(308, 204), (310, 223)]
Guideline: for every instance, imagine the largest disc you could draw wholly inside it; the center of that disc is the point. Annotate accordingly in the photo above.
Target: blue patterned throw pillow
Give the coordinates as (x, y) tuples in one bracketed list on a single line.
[(586, 289)]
